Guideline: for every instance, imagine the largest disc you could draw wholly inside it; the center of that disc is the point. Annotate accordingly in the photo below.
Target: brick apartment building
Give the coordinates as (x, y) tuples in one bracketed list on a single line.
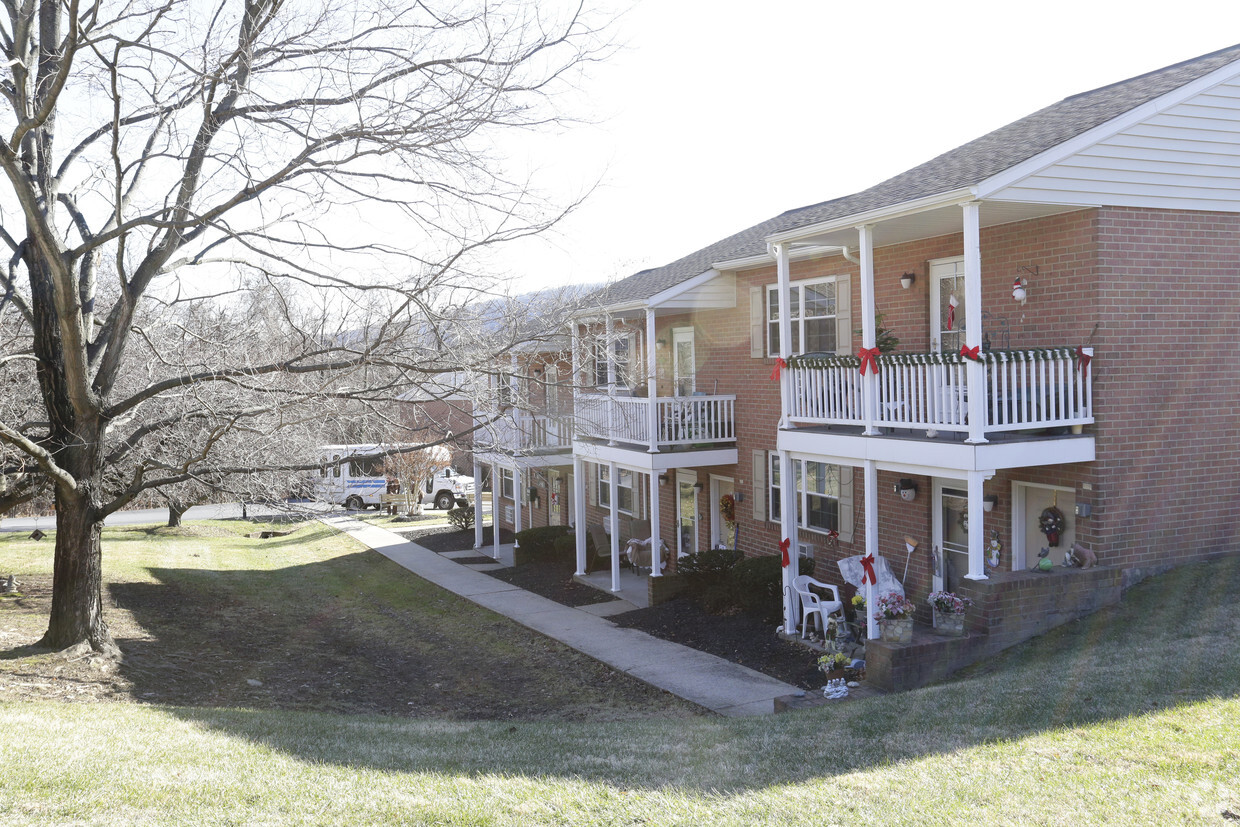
[(1064, 295)]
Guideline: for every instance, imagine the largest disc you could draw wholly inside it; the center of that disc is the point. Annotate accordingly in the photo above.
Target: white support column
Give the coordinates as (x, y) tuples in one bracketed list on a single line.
[(975, 371), (613, 485), (478, 505), (575, 363), (784, 272), (495, 510), (869, 336), (656, 536), (977, 534), (652, 385), (871, 542), (579, 506), (518, 494), (609, 350), (789, 519)]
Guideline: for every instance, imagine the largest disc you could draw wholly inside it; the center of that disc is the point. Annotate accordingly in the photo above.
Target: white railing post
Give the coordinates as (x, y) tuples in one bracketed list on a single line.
[(869, 336), (975, 370), (652, 384)]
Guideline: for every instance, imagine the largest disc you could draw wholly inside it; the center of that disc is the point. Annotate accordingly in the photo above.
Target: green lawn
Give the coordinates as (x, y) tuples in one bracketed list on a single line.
[(1128, 717)]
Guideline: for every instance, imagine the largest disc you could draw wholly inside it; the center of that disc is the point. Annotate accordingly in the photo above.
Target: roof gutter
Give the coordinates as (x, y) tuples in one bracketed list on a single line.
[(765, 259)]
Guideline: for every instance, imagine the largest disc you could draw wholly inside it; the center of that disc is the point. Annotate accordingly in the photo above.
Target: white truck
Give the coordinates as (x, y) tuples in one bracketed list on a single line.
[(353, 477)]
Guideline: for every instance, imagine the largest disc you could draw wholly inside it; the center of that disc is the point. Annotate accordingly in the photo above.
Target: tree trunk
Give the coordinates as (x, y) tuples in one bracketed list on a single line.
[(77, 582), (176, 510)]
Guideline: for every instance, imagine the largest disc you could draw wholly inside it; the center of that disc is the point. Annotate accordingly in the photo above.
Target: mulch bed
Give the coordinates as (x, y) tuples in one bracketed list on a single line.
[(737, 637), (450, 538)]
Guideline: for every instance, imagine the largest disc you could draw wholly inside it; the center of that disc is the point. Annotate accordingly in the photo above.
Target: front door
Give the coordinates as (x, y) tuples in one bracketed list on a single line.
[(950, 534), (1031, 502), (684, 361), (947, 310), (722, 532), (686, 513)]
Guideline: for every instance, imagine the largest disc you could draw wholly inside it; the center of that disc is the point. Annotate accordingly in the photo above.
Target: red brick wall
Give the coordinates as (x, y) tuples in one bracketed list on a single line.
[(1154, 292)]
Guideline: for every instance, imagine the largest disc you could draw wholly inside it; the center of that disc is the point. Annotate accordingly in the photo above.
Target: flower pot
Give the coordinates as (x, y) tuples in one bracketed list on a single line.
[(949, 624), (898, 629)]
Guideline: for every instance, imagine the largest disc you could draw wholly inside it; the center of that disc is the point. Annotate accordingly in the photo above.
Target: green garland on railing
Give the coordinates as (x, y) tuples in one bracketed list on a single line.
[(992, 356)]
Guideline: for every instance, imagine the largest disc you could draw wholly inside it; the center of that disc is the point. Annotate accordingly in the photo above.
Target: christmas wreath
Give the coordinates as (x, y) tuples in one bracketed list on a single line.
[(727, 508), (1051, 524)]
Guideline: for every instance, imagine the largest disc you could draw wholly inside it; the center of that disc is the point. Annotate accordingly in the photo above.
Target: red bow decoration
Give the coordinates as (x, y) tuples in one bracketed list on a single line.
[(783, 552), (868, 356), (970, 353), (780, 364), (868, 575), (1082, 361), (833, 534)]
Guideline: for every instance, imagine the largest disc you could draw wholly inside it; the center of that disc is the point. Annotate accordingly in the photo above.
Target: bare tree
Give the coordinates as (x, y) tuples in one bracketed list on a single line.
[(225, 218)]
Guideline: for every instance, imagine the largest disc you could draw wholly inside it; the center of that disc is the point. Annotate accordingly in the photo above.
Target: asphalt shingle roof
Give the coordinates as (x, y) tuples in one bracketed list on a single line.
[(963, 166)]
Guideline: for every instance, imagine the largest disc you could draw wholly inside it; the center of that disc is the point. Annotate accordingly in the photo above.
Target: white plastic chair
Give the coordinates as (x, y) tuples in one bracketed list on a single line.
[(811, 603)]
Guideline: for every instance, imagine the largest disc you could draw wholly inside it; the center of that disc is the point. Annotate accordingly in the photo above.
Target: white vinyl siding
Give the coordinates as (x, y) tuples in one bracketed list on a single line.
[(1187, 157)]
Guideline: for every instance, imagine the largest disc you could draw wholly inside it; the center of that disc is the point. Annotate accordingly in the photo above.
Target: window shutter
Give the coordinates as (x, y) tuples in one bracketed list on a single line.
[(843, 317), (759, 485), (592, 485), (757, 323), (846, 503)]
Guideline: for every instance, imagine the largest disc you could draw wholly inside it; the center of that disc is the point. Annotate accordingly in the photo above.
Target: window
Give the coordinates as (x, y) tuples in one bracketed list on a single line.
[(336, 466), (623, 348), (505, 483), (812, 308), (625, 498), (503, 390), (818, 490)]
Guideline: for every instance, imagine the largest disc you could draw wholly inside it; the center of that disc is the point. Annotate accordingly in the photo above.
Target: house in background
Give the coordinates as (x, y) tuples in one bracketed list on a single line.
[(1063, 292)]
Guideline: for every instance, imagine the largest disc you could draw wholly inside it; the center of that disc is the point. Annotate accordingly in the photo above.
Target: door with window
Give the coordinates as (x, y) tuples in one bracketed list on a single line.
[(722, 531), (686, 513), (948, 314), (950, 534), (684, 361)]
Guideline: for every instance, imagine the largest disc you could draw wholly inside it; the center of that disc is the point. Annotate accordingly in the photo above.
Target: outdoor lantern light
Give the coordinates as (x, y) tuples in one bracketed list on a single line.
[(989, 502), (907, 490), (906, 280), (662, 479), (1019, 293)]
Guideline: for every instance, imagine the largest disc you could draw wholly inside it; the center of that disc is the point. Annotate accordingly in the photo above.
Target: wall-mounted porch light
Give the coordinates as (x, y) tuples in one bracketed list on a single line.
[(907, 490), (989, 502), (907, 279), (697, 486), (662, 479), (659, 344)]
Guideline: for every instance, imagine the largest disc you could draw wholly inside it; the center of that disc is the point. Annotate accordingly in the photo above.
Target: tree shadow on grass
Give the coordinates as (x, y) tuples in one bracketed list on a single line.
[(1172, 643), (355, 634)]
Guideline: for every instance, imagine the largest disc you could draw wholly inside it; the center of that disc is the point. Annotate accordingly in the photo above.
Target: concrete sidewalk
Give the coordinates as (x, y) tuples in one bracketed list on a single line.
[(719, 685)]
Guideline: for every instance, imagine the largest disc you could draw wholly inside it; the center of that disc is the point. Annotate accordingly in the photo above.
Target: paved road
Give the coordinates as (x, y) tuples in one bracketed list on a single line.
[(225, 511)]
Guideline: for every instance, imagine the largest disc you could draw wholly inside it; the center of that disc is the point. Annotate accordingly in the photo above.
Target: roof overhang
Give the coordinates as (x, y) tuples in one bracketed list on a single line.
[(930, 220)]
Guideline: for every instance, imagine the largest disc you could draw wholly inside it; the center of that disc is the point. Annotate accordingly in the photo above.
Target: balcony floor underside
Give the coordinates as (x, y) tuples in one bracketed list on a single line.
[(910, 450)]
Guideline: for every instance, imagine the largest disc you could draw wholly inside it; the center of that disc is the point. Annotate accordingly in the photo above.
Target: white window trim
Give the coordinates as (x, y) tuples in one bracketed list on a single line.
[(772, 348), (773, 491), (603, 489), (507, 483)]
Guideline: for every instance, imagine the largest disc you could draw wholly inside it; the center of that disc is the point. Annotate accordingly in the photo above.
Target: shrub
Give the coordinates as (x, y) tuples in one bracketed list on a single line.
[(565, 547), (758, 588), (707, 580), (462, 518), (539, 543)]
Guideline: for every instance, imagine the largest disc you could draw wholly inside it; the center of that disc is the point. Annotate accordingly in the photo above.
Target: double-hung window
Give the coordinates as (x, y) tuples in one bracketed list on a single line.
[(623, 351), (812, 310), (625, 499), (506, 483), (817, 492)]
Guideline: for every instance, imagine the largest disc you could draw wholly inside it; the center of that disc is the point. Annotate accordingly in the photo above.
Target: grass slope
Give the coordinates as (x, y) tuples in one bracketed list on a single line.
[(1127, 717)]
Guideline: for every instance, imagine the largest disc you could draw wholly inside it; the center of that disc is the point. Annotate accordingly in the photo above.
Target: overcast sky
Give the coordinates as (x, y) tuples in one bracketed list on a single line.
[(718, 115)]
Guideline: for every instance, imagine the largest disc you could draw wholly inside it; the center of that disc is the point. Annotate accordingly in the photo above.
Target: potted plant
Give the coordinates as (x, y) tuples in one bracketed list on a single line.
[(949, 612), (894, 612), (832, 664)]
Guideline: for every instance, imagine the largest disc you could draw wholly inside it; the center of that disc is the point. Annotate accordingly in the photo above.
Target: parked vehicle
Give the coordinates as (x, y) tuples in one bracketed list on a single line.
[(353, 477)]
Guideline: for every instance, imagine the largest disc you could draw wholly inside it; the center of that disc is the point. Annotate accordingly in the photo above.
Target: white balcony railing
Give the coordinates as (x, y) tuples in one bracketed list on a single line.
[(1024, 389), (524, 432), (678, 420)]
